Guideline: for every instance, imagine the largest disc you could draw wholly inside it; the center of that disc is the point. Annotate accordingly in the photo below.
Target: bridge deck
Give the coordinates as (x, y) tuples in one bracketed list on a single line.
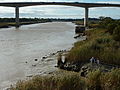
[(77, 4)]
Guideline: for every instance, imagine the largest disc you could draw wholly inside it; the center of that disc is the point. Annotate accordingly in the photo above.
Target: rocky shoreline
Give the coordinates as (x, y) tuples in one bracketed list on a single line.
[(54, 57), (84, 68)]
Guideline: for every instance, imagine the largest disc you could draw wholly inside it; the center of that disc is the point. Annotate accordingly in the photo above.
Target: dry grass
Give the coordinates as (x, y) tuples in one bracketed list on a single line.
[(95, 80), (68, 81), (104, 81)]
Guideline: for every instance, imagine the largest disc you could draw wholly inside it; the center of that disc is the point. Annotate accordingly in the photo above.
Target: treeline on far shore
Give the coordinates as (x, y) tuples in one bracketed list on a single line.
[(24, 20), (47, 19), (43, 19), (8, 22)]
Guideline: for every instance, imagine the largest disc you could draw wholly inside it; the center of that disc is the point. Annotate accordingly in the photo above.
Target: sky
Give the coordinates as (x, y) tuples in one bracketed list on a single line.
[(53, 11)]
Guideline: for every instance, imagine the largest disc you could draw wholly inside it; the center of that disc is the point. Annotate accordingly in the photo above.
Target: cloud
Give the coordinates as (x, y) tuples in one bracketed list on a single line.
[(6, 10), (109, 2)]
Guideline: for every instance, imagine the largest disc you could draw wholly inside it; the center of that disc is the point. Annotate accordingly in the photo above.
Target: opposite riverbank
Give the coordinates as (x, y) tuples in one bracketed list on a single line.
[(12, 24)]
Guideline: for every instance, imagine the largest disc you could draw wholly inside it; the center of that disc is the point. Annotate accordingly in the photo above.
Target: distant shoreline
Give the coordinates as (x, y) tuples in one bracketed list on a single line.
[(8, 25), (9, 22)]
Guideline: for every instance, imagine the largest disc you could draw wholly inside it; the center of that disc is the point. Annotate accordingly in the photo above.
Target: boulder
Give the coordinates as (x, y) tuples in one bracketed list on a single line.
[(36, 59), (79, 29)]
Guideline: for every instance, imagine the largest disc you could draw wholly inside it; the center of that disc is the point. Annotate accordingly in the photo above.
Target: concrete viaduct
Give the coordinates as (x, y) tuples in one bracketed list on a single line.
[(17, 5)]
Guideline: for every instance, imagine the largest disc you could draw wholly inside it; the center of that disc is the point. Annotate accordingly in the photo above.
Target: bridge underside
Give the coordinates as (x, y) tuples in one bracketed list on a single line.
[(17, 5), (76, 4)]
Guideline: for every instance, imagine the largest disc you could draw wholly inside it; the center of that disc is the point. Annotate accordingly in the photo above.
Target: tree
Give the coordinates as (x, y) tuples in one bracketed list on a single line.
[(101, 18), (110, 27), (105, 21)]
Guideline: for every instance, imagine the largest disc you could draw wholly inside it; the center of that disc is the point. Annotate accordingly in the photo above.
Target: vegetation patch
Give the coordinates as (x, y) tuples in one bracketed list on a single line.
[(102, 43)]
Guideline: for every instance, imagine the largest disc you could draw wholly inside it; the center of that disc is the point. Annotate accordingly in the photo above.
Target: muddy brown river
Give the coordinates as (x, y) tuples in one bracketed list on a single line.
[(20, 47)]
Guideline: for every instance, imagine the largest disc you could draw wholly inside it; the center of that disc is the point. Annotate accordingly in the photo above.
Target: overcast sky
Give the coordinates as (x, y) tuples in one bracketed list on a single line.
[(61, 11)]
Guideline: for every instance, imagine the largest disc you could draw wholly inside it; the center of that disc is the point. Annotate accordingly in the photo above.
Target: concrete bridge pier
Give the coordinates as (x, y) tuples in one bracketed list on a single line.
[(17, 16), (86, 17)]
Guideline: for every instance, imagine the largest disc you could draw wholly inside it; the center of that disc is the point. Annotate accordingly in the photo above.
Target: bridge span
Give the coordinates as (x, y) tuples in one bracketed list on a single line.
[(17, 5)]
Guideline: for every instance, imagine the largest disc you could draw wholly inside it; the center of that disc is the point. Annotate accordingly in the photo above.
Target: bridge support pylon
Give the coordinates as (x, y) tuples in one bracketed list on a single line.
[(86, 17), (17, 16)]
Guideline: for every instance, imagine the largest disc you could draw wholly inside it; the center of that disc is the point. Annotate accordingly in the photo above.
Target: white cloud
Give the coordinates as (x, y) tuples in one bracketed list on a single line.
[(7, 10), (109, 2)]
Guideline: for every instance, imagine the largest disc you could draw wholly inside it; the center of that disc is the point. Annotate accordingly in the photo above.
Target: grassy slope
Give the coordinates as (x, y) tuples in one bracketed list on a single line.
[(99, 44)]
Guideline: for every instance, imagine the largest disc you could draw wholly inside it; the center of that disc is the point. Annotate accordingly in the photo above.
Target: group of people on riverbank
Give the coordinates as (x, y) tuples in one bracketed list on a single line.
[(94, 60)]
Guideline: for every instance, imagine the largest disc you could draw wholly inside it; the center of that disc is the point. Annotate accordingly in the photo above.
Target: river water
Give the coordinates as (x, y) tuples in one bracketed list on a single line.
[(20, 47)]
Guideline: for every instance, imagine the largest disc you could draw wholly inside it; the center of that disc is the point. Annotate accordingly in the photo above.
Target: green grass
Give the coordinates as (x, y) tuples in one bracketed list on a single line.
[(99, 44)]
